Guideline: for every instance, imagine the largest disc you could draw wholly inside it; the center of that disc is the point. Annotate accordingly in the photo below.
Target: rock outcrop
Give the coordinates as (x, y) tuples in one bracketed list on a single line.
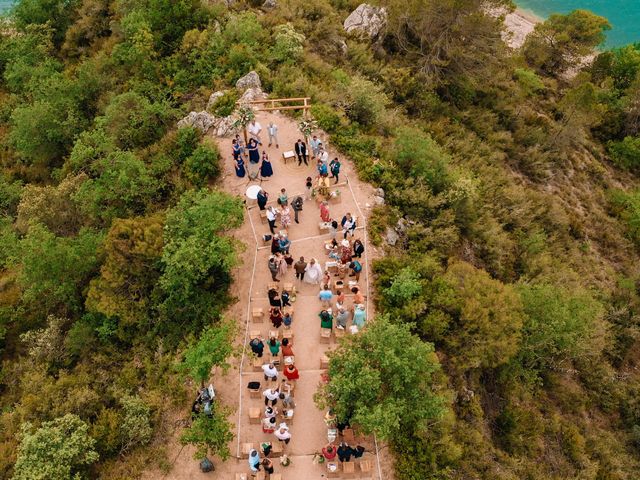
[(366, 20), (251, 94), (269, 4), (250, 80), (213, 99), (203, 121)]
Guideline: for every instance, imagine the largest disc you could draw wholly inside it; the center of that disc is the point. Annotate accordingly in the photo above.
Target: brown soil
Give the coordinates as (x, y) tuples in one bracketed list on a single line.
[(309, 432)]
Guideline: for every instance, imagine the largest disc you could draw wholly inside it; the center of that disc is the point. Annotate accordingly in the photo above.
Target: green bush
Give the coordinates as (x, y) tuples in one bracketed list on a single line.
[(203, 165), (226, 104), (328, 119), (626, 153)]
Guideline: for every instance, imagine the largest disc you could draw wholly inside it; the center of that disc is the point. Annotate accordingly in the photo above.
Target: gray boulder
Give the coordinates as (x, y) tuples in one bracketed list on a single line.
[(378, 200), (250, 80), (252, 94), (366, 20), (391, 236), (269, 4), (203, 121), (224, 126), (213, 99), (379, 192)]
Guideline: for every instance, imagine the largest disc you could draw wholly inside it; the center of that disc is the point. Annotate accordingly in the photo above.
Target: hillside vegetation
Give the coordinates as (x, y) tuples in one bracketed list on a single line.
[(510, 177)]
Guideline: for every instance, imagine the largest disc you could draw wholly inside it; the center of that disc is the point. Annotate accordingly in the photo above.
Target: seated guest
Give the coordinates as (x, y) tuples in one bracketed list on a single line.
[(287, 348), (329, 451), (344, 452), (269, 425), (291, 372), (325, 296), (270, 372), (275, 315), (274, 346), (257, 346), (342, 318), (274, 298), (326, 319), (287, 319)]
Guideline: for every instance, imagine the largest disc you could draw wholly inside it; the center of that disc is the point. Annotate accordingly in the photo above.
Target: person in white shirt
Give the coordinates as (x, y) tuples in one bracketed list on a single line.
[(282, 433), (272, 130), (271, 395), (270, 372), (315, 146), (324, 155), (270, 412), (271, 218), (254, 130)]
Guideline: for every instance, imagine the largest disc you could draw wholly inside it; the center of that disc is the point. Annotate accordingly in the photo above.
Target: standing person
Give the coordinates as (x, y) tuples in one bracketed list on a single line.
[(356, 269), (334, 166), (358, 248), (324, 155), (271, 395), (262, 199), (285, 216), (345, 251), (325, 296), (275, 244), (296, 204), (283, 198), (254, 461), (240, 171), (313, 272), (308, 188), (254, 130), (348, 224), (285, 245), (272, 130), (271, 219), (283, 434), (236, 149), (300, 267), (273, 268), (267, 464), (266, 170), (301, 151), (333, 230), (282, 269), (315, 147), (359, 316), (322, 168), (270, 371), (325, 216), (254, 153)]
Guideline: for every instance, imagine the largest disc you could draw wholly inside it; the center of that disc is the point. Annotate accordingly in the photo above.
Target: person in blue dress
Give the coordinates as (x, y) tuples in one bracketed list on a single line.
[(254, 153), (240, 172), (265, 169), (237, 149)]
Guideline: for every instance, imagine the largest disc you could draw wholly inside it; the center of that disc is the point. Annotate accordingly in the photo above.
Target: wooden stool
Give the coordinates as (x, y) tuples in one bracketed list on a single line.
[(255, 334), (274, 333), (276, 449), (255, 393), (287, 416), (257, 364), (263, 216), (333, 474), (275, 359), (286, 156), (273, 286), (349, 469), (257, 315), (291, 360), (323, 227), (246, 449), (254, 416), (324, 362), (287, 334), (288, 287), (325, 335), (366, 468)]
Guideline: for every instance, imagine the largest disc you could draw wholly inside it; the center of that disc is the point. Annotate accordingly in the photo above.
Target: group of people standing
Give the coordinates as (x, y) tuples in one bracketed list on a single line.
[(251, 151)]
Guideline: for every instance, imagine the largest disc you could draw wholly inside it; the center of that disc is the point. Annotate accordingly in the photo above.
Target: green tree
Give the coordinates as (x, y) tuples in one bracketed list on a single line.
[(288, 46), (212, 349), (128, 276), (626, 153), (203, 165), (56, 13), (198, 256), (135, 428), (56, 270), (486, 318), (560, 41), (382, 380), (559, 326), (60, 449), (210, 434)]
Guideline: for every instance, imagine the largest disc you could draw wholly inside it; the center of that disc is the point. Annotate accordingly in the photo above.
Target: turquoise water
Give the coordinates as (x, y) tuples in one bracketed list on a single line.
[(5, 4), (623, 15)]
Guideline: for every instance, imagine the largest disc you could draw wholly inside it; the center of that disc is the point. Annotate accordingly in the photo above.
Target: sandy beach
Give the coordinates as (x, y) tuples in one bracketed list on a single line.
[(519, 24)]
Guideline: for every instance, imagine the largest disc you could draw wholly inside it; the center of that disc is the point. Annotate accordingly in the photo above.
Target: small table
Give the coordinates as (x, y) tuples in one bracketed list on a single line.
[(288, 155)]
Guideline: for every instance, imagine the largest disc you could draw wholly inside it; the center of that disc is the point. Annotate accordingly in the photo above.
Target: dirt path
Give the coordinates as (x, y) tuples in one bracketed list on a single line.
[(309, 432)]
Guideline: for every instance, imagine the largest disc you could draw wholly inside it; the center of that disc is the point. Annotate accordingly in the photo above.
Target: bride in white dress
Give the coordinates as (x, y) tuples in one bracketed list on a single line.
[(313, 272)]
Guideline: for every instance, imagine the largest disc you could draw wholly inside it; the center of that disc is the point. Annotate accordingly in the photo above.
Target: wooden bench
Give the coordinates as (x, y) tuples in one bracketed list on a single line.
[(325, 335), (246, 449), (366, 468), (288, 155), (324, 362), (263, 216), (348, 470), (255, 393), (257, 315), (333, 473), (254, 416), (257, 364)]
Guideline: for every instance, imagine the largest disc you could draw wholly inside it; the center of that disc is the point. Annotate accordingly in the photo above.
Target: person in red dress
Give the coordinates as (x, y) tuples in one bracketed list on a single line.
[(291, 372)]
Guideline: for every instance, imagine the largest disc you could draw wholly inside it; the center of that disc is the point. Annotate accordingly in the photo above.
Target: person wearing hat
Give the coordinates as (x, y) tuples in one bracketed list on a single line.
[(254, 460)]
